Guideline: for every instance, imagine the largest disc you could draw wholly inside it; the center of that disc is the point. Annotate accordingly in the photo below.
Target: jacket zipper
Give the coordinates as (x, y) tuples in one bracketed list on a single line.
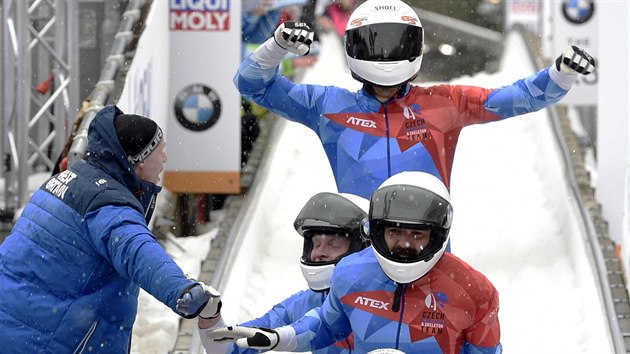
[(389, 163), (399, 304), (86, 338)]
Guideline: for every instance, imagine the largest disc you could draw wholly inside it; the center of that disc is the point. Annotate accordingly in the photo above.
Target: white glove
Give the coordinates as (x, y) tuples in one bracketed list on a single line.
[(246, 337), (296, 37), (213, 307), (575, 60)]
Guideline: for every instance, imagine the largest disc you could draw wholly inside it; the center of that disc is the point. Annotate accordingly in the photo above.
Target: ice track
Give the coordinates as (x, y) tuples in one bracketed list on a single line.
[(515, 220)]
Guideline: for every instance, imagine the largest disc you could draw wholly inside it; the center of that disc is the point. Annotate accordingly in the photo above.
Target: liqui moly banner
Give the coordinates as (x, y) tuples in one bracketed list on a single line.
[(204, 124), (200, 15)]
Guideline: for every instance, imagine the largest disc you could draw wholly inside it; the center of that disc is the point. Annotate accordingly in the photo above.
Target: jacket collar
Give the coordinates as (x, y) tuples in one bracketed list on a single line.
[(105, 152)]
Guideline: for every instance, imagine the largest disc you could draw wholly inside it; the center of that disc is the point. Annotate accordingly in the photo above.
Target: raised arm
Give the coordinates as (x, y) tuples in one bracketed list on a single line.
[(542, 89), (258, 77)]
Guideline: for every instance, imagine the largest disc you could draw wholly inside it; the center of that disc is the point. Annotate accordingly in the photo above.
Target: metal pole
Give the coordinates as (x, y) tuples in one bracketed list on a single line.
[(60, 48), (22, 101), (72, 30), (8, 56)]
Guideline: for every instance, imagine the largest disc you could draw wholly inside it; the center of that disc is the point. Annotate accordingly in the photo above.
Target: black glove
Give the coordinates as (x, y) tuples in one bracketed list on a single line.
[(296, 37), (575, 60), (247, 337)]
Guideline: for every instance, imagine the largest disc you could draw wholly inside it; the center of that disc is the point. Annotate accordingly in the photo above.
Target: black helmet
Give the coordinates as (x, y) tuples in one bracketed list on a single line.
[(413, 200), (338, 214)]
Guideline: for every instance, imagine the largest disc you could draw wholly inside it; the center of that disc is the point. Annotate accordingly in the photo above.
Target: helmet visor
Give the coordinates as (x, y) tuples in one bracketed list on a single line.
[(410, 205), (329, 211), (384, 42), (424, 253)]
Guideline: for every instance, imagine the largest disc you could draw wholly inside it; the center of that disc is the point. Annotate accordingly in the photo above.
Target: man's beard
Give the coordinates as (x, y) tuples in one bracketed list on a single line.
[(405, 253)]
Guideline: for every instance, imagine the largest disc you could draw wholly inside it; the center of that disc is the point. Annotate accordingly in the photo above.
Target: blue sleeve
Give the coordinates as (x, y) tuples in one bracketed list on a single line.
[(527, 95), (120, 234), (284, 312), (323, 326), (301, 103), (468, 348)]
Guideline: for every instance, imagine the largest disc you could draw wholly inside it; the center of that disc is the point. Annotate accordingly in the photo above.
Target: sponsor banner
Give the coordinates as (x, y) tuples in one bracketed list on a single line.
[(523, 12), (613, 130), (200, 15), (575, 23), (203, 105), (144, 92)]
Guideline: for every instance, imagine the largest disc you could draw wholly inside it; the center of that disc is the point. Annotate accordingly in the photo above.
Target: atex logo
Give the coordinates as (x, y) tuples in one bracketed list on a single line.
[(366, 123), (366, 301)]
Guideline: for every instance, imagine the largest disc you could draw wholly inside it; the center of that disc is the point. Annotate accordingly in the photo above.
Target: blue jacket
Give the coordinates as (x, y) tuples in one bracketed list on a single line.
[(367, 141), (451, 309), (71, 268)]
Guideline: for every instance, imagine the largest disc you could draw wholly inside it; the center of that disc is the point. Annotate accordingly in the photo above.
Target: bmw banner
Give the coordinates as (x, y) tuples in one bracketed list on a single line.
[(575, 23), (203, 134)]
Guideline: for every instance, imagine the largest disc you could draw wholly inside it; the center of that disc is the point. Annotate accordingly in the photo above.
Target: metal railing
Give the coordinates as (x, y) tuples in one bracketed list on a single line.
[(613, 291), (105, 86), (39, 89)]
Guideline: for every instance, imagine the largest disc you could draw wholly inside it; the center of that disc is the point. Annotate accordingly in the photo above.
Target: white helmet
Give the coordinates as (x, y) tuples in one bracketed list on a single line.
[(385, 351), (338, 214), (415, 200), (383, 42)]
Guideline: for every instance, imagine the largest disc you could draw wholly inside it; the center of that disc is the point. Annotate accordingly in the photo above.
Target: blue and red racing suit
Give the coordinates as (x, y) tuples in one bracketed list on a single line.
[(451, 309), (367, 141)]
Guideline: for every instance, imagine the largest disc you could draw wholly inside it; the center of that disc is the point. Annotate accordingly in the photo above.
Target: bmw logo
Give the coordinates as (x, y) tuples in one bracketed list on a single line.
[(197, 107), (578, 11)]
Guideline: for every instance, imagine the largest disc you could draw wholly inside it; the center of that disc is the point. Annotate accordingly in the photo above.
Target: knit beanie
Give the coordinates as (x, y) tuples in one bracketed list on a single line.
[(138, 136)]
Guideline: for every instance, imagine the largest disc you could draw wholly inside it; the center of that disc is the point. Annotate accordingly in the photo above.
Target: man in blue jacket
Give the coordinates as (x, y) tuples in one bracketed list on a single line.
[(330, 224), (391, 126), (72, 267)]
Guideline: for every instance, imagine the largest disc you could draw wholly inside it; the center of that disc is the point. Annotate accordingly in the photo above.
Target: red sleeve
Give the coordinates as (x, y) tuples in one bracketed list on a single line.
[(486, 331), (470, 101)]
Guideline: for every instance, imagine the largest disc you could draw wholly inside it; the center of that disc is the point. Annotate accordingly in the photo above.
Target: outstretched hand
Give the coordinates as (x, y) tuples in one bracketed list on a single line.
[(296, 37), (575, 60), (196, 298), (246, 337)]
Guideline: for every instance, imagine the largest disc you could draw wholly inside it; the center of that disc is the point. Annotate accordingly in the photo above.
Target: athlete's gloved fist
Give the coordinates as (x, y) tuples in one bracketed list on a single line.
[(194, 299), (246, 337), (575, 60), (296, 37), (213, 306)]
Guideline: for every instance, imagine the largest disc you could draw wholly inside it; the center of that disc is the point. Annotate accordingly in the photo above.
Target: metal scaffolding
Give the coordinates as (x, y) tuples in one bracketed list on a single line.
[(40, 91)]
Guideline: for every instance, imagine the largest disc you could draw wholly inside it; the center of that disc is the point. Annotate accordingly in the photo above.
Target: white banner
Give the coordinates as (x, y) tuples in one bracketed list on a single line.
[(523, 12), (613, 129), (575, 23), (144, 92), (204, 122)]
